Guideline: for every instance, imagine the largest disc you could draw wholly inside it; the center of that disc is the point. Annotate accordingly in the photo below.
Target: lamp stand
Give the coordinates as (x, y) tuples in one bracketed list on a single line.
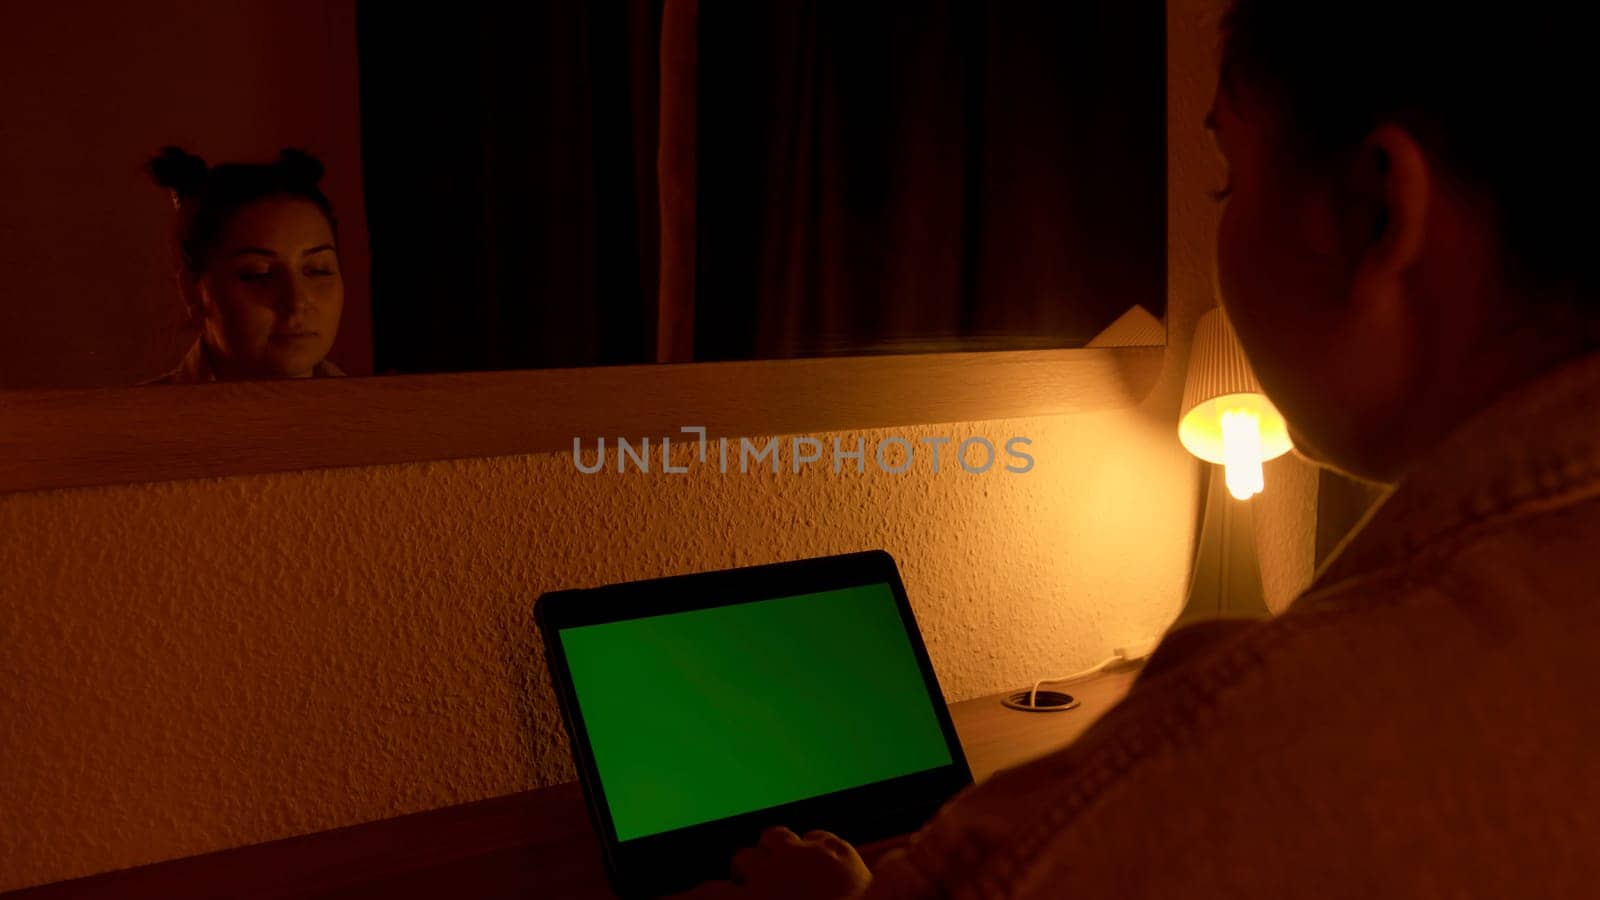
[(1226, 581)]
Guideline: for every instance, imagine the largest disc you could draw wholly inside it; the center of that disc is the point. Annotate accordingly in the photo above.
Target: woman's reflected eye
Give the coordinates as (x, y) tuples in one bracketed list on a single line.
[(319, 272), (255, 277)]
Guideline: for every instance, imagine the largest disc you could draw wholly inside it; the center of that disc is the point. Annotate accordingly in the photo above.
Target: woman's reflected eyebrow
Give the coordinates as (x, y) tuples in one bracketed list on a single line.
[(317, 249)]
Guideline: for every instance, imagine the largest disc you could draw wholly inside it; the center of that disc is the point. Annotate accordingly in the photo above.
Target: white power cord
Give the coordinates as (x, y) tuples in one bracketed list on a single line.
[(1095, 669), (1127, 653)]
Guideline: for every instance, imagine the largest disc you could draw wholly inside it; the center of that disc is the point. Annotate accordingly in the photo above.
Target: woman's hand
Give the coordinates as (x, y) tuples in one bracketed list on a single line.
[(816, 866)]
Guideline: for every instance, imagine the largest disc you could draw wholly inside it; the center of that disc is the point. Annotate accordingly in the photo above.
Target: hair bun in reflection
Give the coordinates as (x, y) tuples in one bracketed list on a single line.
[(178, 170), (300, 165)]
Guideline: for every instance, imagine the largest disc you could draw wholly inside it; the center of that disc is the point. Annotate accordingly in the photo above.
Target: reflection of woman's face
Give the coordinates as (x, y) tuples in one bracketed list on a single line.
[(271, 291)]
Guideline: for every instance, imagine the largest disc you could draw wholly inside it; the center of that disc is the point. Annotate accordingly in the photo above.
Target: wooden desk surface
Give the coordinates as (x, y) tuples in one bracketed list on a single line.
[(532, 844)]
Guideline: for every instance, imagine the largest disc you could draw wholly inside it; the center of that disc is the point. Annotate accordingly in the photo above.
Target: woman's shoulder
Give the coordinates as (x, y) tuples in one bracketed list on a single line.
[(194, 369), (326, 369)]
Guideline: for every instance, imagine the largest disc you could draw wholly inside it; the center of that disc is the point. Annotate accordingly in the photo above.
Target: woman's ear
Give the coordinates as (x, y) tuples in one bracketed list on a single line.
[(1389, 190), (194, 299), (1386, 324)]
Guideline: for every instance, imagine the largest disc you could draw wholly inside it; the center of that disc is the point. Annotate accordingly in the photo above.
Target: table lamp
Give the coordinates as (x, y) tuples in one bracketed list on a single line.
[(1229, 422), (1226, 418)]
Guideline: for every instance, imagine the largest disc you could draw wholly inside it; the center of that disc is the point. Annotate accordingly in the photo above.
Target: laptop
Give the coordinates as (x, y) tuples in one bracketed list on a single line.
[(703, 709)]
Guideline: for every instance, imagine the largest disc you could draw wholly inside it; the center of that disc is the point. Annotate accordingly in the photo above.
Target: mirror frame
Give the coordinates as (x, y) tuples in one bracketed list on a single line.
[(85, 437)]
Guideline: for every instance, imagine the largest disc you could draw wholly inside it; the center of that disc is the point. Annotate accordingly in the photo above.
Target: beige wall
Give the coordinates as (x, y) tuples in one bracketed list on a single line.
[(196, 665)]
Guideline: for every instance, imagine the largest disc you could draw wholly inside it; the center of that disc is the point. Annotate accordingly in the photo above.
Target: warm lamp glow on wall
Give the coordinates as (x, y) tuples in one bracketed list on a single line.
[(1227, 420)]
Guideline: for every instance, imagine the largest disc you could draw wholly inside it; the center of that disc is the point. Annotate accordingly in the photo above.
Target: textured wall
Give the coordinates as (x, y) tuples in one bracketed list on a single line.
[(196, 665), (201, 664)]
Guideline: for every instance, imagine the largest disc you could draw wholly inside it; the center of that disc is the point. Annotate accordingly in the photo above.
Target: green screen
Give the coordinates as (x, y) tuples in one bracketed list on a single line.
[(701, 715)]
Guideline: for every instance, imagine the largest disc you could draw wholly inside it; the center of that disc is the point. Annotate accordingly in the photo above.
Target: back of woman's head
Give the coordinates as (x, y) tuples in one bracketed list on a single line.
[(1497, 93), (206, 197)]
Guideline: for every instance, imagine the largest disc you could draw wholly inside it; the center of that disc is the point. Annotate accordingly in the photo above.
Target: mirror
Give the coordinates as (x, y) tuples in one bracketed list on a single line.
[(576, 184)]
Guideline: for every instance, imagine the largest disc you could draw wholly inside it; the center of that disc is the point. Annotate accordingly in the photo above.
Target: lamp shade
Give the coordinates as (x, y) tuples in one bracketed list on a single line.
[(1226, 418)]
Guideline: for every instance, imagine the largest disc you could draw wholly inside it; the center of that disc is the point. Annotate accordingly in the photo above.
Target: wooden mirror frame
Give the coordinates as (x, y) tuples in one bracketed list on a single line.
[(78, 438)]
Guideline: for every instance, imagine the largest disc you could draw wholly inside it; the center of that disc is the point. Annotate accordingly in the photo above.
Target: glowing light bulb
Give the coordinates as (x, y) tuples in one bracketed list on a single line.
[(1241, 452)]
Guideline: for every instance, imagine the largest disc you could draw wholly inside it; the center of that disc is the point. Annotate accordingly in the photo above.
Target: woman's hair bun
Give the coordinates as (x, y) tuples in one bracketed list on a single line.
[(300, 165), (207, 197), (181, 171)]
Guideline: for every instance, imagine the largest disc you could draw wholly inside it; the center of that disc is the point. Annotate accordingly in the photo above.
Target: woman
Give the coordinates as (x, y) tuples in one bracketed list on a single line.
[(1406, 253), (258, 266)]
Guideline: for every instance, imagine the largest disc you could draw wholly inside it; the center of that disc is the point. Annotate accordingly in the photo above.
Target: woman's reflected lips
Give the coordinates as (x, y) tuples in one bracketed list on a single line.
[(293, 335)]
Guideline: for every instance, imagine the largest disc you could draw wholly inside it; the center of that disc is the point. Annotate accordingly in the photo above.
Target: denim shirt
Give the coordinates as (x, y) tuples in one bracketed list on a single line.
[(1420, 723)]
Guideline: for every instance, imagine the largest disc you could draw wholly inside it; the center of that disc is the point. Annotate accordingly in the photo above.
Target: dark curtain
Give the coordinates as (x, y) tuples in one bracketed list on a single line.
[(825, 177), (936, 175), (509, 157)]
